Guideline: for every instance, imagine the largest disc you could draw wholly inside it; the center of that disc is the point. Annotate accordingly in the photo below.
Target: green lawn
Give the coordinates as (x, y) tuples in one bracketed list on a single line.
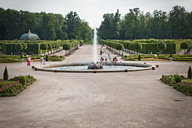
[(6, 82), (187, 80)]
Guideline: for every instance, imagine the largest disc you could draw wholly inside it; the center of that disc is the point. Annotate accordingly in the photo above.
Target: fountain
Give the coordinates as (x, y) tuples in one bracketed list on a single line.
[(95, 46), (95, 66)]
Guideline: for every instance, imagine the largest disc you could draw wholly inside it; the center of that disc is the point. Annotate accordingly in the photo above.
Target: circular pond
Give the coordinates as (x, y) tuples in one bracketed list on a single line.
[(83, 67)]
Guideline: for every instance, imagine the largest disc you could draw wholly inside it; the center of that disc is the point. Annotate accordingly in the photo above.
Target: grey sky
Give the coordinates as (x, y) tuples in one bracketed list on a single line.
[(92, 10)]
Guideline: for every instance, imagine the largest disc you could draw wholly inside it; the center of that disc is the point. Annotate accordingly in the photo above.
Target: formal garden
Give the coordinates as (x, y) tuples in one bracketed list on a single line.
[(71, 32), (16, 49), (13, 86), (150, 49)]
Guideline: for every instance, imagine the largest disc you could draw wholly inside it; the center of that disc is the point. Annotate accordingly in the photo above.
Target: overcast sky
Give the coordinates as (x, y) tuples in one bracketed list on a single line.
[(92, 10)]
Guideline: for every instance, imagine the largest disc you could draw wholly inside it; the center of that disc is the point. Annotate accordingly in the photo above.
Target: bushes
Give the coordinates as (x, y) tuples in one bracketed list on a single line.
[(19, 47), (22, 80), (67, 46), (137, 46), (149, 45), (176, 82), (178, 79), (33, 47), (44, 47), (15, 89), (186, 89)]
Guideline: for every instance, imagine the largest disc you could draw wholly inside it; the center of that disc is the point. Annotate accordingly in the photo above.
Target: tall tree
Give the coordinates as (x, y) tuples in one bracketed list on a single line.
[(110, 27), (132, 23), (177, 22), (73, 25), (47, 28)]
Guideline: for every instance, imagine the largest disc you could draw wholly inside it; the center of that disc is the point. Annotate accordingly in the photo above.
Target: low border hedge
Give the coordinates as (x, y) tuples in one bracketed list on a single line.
[(180, 86), (16, 88)]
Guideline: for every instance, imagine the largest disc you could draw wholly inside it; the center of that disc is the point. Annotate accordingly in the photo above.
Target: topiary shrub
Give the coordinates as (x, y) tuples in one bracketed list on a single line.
[(44, 47), (162, 46), (47, 58), (19, 47), (137, 46), (5, 74), (178, 79), (22, 80), (189, 73), (139, 57), (185, 45)]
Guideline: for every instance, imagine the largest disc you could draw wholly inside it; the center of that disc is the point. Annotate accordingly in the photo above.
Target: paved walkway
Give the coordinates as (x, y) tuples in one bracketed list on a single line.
[(101, 100)]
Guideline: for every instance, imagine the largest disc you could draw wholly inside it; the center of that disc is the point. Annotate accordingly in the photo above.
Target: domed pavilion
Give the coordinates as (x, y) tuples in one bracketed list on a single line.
[(29, 36)]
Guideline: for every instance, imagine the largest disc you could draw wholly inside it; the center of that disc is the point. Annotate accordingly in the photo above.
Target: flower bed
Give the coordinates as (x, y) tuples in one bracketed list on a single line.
[(15, 88), (183, 87)]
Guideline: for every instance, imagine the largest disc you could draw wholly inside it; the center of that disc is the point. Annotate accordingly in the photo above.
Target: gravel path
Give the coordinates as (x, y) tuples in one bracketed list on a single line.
[(101, 100)]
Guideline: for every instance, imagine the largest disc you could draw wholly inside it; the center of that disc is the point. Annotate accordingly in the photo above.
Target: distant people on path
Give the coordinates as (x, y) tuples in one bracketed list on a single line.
[(104, 53), (21, 58), (101, 60), (109, 57), (115, 60), (29, 61), (101, 51), (105, 60), (41, 60)]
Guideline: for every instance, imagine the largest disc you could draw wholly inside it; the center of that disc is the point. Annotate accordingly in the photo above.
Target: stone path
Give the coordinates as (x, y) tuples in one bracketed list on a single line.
[(101, 100)]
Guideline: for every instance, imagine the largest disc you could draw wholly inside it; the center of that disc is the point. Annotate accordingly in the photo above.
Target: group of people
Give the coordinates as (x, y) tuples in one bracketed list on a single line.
[(29, 60), (108, 58)]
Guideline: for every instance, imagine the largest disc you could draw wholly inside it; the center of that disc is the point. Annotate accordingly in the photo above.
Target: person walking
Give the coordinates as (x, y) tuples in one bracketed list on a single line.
[(109, 57), (29, 61), (104, 53), (101, 51), (41, 60), (101, 60)]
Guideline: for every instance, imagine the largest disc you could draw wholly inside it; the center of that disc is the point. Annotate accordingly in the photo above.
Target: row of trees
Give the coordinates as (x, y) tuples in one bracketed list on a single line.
[(47, 26), (176, 24), (49, 46)]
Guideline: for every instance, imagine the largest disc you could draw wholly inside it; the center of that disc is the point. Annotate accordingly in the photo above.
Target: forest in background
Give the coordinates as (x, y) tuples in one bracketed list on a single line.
[(177, 24), (47, 26)]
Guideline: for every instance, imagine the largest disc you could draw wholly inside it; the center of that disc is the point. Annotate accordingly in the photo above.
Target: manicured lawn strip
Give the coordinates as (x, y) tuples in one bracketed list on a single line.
[(34, 58), (166, 57), (7, 82), (187, 80)]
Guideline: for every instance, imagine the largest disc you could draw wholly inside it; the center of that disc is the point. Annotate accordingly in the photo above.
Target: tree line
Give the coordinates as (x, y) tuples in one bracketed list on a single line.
[(47, 26), (177, 24)]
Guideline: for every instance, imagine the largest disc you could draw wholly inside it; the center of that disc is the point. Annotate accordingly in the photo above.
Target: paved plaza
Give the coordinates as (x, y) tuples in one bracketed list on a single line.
[(96, 100)]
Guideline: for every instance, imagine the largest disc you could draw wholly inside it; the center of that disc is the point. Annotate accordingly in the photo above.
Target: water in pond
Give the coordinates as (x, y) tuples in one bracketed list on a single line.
[(105, 67)]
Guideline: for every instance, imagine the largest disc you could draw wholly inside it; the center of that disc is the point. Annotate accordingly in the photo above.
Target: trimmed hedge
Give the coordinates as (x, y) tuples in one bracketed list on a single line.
[(8, 47), (150, 45)]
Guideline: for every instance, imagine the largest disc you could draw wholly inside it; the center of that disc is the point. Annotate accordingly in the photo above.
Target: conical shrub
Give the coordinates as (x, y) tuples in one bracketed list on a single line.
[(189, 73), (5, 74)]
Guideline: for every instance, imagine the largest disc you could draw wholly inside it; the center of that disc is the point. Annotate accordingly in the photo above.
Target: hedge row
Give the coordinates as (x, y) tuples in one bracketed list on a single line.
[(8, 47), (150, 45), (115, 45)]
